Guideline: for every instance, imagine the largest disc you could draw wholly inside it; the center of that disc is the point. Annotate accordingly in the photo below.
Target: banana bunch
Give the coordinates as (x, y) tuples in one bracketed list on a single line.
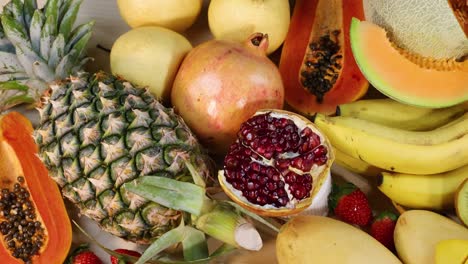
[(420, 155)]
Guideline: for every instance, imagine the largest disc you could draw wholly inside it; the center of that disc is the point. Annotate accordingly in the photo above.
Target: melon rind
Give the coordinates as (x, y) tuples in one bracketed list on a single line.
[(428, 28), (426, 80)]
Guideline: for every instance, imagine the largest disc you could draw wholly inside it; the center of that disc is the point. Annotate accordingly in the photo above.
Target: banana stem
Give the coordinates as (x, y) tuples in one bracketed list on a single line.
[(398, 207)]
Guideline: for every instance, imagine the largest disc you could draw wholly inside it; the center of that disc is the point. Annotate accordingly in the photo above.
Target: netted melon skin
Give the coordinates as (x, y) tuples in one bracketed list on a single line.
[(428, 28)]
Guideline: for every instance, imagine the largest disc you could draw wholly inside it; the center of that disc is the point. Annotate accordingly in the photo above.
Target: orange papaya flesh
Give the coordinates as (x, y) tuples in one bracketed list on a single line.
[(30, 198), (317, 64)]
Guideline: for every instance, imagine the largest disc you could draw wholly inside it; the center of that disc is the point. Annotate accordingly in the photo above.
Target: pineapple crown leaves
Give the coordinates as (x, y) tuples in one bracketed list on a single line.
[(13, 93), (38, 46)]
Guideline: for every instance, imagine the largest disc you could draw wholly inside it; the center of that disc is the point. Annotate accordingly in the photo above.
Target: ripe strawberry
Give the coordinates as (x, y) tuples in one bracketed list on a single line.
[(350, 204), (382, 229), (115, 260), (86, 257)]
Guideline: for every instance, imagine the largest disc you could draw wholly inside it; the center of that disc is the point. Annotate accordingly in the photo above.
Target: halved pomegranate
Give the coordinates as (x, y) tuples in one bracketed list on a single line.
[(277, 164)]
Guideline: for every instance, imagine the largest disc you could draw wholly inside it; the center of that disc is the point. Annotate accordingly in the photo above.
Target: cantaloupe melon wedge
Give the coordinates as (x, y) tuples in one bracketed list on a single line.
[(390, 71), (431, 28)]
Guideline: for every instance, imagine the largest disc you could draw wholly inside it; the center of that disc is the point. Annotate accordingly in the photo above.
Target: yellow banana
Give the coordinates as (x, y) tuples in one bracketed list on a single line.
[(465, 105), (454, 121), (355, 165), (394, 114), (458, 128), (435, 191), (395, 156)]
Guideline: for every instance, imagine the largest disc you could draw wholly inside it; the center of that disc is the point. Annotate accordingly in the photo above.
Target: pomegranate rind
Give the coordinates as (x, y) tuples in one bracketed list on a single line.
[(318, 175), (319, 204)]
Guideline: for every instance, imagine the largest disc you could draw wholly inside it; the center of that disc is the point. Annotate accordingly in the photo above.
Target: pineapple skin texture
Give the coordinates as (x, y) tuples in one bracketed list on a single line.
[(98, 132)]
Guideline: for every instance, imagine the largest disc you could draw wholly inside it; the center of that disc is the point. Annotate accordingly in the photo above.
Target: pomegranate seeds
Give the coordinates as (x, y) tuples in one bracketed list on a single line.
[(274, 161)]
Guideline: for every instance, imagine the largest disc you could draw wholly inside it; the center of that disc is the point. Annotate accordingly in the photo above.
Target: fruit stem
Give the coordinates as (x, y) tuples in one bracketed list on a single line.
[(228, 226), (207, 206), (398, 207), (258, 43), (99, 46)]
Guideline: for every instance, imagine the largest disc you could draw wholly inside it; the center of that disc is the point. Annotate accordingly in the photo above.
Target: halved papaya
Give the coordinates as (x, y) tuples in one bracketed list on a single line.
[(34, 224), (405, 77), (317, 64)]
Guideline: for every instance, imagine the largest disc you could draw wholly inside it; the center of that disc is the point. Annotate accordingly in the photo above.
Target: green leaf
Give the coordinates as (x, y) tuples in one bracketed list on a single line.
[(220, 251), (18, 99), (64, 6), (14, 31), (80, 46), (68, 20), (17, 11), (47, 36), (57, 51), (13, 75), (27, 57), (35, 30), (252, 215), (170, 193), (29, 8), (77, 34), (197, 178), (13, 85), (194, 244), (338, 191), (63, 69), (5, 44), (168, 239), (8, 9), (42, 71), (51, 12), (79, 65), (10, 62), (171, 184)]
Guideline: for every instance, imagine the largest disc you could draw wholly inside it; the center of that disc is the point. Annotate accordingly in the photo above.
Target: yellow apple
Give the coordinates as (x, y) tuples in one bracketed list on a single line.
[(149, 57), (177, 15), (238, 19)]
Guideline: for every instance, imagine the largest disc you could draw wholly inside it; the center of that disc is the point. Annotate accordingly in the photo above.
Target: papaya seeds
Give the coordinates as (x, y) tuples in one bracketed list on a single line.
[(22, 231)]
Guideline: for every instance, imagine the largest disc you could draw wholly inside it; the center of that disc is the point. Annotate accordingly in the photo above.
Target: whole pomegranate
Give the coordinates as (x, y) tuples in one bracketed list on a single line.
[(220, 84), (277, 165)]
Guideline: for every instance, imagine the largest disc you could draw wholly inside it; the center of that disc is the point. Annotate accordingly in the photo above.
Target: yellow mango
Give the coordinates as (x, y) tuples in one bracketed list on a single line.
[(323, 240)]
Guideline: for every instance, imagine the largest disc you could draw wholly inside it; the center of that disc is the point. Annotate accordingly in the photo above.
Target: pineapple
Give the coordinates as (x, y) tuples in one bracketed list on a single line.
[(38, 46), (98, 133)]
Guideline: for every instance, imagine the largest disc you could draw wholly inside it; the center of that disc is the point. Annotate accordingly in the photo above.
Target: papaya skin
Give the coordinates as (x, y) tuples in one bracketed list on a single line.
[(16, 141), (350, 85)]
